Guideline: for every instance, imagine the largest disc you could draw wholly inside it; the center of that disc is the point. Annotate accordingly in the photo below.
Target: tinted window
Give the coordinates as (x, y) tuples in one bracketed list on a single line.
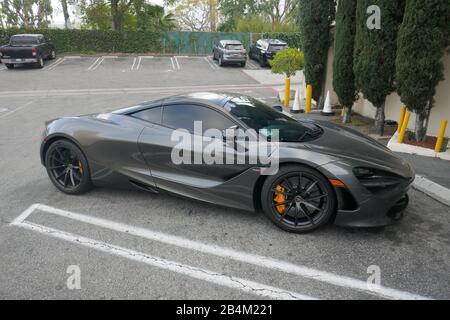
[(234, 47), (277, 47), (19, 41), (183, 117), (152, 115), (264, 119)]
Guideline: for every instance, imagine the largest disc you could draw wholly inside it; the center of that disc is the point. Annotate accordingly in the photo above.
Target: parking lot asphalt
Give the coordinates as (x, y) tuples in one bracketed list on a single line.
[(130, 244)]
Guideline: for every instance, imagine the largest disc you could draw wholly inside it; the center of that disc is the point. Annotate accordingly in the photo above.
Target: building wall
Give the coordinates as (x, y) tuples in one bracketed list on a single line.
[(440, 111)]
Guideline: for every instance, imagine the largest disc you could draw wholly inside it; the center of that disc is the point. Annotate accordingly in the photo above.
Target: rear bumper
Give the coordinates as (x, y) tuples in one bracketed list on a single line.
[(19, 61), (234, 59)]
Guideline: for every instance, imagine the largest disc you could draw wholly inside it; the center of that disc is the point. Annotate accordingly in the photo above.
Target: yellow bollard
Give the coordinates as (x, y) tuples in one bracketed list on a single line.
[(287, 92), (402, 116), (309, 92), (342, 111), (440, 138), (401, 134)]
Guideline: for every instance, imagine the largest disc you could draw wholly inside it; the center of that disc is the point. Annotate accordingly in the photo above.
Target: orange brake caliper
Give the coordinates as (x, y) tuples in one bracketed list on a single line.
[(81, 167), (280, 198)]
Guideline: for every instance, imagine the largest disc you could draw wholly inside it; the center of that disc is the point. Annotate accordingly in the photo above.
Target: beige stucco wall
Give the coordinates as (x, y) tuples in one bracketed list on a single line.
[(440, 111)]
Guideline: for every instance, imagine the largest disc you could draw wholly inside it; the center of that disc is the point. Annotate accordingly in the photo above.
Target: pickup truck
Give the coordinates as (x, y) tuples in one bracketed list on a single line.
[(25, 49)]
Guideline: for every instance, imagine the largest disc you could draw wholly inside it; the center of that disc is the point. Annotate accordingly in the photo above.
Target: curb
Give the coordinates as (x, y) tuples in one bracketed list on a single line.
[(410, 149), (432, 189)]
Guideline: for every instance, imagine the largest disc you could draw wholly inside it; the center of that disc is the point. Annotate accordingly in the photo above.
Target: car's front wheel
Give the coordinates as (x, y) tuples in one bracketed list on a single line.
[(52, 55), (9, 66), (298, 199), (68, 168), (221, 63)]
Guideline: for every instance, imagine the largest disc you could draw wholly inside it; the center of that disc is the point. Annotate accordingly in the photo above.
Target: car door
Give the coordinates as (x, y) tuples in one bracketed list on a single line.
[(160, 145), (259, 49)]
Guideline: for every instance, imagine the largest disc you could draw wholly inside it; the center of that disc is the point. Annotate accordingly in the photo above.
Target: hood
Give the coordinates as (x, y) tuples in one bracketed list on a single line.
[(350, 144)]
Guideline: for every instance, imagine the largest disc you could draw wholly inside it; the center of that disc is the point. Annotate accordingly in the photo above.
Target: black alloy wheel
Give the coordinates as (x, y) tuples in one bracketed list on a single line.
[(67, 167), (298, 199)]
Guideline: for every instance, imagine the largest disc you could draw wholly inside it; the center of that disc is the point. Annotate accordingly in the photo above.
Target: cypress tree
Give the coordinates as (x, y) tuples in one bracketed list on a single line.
[(422, 40), (315, 17), (375, 53), (343, 76)]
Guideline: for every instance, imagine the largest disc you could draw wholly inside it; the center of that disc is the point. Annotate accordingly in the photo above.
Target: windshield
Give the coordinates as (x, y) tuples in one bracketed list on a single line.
[(22, 41), (265, 119), (234, 47)]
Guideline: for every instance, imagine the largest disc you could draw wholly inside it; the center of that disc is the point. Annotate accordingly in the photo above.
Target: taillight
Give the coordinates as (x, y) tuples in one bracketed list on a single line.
[(33, 51)]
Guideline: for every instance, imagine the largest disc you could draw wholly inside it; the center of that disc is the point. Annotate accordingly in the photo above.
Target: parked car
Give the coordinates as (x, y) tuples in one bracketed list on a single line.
[(230, 51), (26, 49), (327, 173), (265, 49)]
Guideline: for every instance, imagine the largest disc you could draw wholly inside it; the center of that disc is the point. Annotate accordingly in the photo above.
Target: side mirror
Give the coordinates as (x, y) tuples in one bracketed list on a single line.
[(230, 133), (278, 108)]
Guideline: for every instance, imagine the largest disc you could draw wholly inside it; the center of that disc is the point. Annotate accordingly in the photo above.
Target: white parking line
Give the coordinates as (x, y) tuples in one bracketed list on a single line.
[(244, 285), (2, 68), (261, 261), (134, 62), (139, 63), (55, 64), (95, 63), (15, 110), (177, 63), (211, 63), (252, 65)]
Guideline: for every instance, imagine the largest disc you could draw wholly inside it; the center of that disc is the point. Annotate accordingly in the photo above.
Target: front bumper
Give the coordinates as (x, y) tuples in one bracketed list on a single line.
[(19, 61), (360, 207)]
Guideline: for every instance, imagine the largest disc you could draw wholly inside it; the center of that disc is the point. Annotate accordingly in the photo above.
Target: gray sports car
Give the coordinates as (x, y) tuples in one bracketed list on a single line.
[(325, 172)]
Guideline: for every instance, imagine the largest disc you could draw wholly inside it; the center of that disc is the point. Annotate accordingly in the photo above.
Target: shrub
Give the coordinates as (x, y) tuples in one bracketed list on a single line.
[(288, 62)]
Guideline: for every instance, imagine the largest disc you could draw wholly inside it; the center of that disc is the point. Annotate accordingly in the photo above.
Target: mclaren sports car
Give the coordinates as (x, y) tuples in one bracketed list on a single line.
[(322, 172)]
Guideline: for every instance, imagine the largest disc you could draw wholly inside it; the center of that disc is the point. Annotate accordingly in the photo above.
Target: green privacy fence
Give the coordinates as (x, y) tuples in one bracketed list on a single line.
[(198, 43), (177, 43)]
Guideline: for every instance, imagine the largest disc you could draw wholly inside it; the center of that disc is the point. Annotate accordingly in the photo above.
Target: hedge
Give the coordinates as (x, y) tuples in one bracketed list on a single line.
[(88, 41), (74, 40)]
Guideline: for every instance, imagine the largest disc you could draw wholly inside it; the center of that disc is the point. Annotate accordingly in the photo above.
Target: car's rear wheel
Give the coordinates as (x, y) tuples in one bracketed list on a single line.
[(9, 66), (243, 64), (298, 199), (68, 168), (53, 55)]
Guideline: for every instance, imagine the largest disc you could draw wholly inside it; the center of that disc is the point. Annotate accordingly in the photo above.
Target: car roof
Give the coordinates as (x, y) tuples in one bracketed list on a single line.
[(274, 41), (230, 42), (28, 35), (216, 99)]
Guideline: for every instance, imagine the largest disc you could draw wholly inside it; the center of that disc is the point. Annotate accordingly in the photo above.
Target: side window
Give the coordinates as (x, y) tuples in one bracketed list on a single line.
[(151, 115), (183, 117)]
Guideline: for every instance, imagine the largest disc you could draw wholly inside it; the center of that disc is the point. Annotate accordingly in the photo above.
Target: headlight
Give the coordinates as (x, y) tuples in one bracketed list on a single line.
[(374, 179)]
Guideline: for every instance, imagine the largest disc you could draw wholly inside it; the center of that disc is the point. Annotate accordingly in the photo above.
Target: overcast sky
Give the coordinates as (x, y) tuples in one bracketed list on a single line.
[(58, 17)]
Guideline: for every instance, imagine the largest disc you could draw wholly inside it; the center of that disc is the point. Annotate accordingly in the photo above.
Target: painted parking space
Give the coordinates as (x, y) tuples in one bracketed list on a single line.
[(25, 221)]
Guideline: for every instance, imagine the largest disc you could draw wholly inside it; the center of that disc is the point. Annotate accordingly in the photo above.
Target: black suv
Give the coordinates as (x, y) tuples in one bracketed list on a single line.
[(265, 49)]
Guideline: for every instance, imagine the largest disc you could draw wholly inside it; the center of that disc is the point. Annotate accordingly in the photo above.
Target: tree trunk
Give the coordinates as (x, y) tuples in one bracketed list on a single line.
[(421, 126), (66, 14), (380, 119), (115, 15), (347, 118)]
